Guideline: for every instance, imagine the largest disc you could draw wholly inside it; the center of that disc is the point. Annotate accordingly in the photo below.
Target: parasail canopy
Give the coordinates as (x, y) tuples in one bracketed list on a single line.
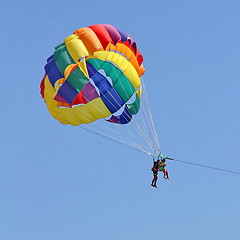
[(94, 76)]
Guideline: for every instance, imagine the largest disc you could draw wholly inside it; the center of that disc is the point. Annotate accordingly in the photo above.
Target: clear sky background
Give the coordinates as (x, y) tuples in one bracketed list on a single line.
[(60, 182)]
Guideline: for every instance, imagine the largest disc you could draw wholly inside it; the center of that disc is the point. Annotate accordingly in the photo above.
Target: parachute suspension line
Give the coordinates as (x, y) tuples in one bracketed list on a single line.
[(149, 114), (137, 126), (153, 131), (144, 127), (107, 135), (133, 119), (115, 135), (145, 120), (205, 166), (131, 138), (102, 134), (126, 142)]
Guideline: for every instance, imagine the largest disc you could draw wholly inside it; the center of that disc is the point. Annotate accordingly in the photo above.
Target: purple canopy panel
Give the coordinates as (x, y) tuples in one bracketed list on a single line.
[(89, 92), (113, 32)]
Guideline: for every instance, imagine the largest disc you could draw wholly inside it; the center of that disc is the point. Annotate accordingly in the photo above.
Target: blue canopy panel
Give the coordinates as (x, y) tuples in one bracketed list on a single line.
[(67, 92), (124, 35), (52, 71), (99, 80), (108, 94), (124, 118)]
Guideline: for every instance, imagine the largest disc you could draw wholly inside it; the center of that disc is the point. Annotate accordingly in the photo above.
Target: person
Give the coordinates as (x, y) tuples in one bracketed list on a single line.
[(159, 166), (162, 166), (155, 169)]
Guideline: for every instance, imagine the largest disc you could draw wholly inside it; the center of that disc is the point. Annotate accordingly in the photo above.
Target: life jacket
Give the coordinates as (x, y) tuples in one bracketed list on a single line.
[(161, 166)]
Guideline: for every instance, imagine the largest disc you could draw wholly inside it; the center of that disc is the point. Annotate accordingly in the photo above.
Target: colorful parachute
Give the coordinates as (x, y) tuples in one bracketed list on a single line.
[(94, 77), (95, 74)]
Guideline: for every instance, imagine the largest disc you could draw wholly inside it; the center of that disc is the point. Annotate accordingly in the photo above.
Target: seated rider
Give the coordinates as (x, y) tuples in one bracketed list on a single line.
[(162, 166)]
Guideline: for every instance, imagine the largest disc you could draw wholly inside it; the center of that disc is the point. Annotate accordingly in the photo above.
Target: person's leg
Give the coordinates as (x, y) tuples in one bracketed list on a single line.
[(155, 183), (165, 174)]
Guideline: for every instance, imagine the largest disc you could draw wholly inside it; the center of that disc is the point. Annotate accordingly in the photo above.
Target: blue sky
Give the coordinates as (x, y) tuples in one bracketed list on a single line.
[(59, 182)]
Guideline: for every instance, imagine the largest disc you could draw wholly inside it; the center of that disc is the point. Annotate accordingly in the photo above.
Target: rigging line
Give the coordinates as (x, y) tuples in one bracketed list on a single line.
[(97, 107), (113, 67), (103, 94), (106, 88), (109, 93), (133, 119), (146, 123), (142, 132), (91, 116), (128, 132), (117, 104), (116, 74), (118, 141), (146, 119), (206, 166), (150, 114), (128, 140), (137, 125), (131, 138)]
